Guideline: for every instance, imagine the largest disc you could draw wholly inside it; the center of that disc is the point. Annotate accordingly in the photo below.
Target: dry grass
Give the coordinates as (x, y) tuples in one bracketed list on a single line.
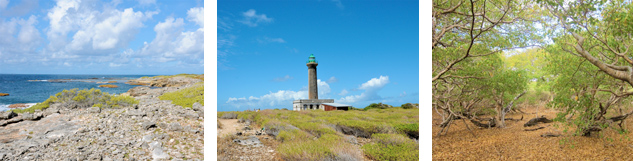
[(513, 143)]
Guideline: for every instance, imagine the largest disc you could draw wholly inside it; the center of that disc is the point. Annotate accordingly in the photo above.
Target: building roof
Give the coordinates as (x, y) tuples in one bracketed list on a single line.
[(337, 105)]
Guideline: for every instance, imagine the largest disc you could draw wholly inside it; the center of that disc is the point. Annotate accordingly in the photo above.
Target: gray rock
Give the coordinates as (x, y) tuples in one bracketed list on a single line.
[(8, 115), (148, 125), (250, 141), (157, 151), (163, 125), (147, 138), (135, 113), (175, 126), (197, 107), (94, 110), (50, 111), (30, 116)]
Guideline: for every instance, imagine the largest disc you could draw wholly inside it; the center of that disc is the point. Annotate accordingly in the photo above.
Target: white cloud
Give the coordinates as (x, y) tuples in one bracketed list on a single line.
[(375, 83), (226, 40), (271, 40), (332, 80), (196, 15), (172, 44), (19, 39), (371, 88), (279, 98), (252, 19), (343, 92), (81, 28), (283, 79), (279, 40), (338, 4), (3, 4)]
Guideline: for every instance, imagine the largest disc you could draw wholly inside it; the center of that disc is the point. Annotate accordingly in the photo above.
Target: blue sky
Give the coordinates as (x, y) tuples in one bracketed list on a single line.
[(367, 52), (101, 37)]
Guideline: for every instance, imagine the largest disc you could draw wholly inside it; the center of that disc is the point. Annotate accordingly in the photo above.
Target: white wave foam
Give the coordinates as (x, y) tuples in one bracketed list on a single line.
[(5, 107)]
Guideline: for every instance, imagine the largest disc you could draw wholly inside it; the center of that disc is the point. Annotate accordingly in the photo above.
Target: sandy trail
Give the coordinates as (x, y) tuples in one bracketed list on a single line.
[(229, 126)]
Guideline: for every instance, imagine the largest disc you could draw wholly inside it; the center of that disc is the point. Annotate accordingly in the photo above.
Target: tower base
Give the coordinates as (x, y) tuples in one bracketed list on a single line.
[(310, 104)]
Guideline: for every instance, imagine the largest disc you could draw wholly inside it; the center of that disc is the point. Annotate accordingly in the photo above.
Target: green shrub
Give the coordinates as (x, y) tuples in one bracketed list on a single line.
[(75, 98), (391, 147), (186, 97), (408, 128), (407, 106), (377, 106)]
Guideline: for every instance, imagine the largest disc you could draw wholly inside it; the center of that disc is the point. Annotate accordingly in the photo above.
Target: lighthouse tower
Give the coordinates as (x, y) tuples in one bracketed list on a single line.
[(313, 102), (313, 92)]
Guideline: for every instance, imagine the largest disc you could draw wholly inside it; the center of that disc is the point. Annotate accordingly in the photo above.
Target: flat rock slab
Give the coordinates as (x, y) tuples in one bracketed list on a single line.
[(251, 140)]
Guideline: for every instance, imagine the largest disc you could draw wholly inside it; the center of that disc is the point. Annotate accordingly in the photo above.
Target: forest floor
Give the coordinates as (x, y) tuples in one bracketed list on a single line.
[(514, 143)]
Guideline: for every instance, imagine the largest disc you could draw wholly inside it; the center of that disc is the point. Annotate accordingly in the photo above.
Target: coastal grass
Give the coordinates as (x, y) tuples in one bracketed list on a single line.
[(391, 147), (312, 135), (186, 97), (84, 98)]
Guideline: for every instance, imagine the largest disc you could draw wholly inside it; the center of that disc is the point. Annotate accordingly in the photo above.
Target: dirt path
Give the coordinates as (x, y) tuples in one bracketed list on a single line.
[(229, 126), (228, 149), (514, 143)]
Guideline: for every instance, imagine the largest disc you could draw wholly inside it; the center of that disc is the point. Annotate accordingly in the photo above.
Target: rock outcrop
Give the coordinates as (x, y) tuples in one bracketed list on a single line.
[(152, 130), (109, 86)]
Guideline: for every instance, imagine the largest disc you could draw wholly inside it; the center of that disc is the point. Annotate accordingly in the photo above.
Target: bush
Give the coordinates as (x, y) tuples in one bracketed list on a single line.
[(186, 97), (85, 98), (229, 116), (378, 106), (391, 147), (407, 106)]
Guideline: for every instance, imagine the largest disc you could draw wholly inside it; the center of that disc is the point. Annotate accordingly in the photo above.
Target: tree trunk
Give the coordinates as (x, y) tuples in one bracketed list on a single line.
[(506, 110)]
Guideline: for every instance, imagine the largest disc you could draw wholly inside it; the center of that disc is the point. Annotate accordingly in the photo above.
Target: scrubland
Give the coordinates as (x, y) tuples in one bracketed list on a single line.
[(376, 134)]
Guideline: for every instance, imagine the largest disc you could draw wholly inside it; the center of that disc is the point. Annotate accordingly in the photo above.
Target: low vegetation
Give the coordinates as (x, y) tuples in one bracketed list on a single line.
[(85, 98), (186, 97), (318, 135), (391, 147), (197, 76)]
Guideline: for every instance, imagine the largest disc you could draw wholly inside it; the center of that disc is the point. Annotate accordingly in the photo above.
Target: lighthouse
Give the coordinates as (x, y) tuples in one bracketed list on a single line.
[(312, 78), (313, 102)]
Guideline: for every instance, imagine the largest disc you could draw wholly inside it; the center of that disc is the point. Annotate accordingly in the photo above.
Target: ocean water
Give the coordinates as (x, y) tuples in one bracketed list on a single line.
[(28, 88)]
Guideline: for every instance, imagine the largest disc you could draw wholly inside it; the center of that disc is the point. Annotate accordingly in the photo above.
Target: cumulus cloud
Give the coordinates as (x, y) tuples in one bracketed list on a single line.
[(79, 28), (371, 88), (19, 39), (343, 92), (196, 15), (332, 80), (279, 98), (375, 83), (173, 44), (252, 19), (283, 79)]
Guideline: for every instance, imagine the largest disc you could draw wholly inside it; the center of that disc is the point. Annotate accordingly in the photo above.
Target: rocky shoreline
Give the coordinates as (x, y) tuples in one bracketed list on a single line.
[(153, 129)]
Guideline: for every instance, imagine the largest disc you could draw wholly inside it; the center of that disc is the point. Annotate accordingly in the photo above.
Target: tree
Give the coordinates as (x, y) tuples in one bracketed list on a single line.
[(464, 29), (468, 72), (594, 37)]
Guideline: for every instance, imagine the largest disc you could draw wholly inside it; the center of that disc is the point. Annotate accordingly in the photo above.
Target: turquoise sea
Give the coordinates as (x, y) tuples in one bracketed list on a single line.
[(32, 88)]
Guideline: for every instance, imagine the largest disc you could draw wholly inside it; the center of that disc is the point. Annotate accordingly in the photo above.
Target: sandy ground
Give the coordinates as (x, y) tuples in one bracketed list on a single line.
[(514, 143), (229, 126)]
